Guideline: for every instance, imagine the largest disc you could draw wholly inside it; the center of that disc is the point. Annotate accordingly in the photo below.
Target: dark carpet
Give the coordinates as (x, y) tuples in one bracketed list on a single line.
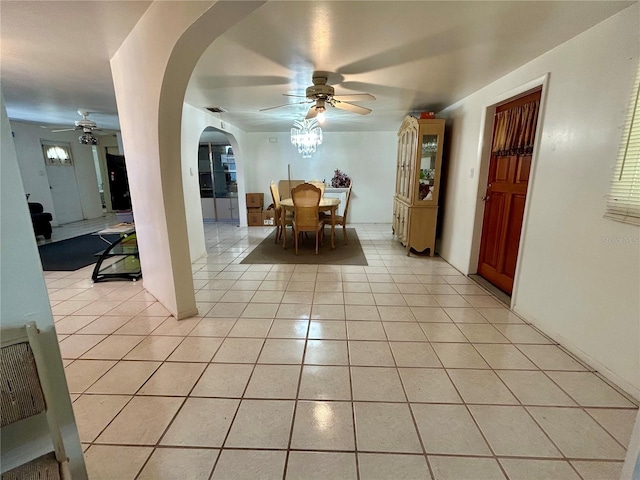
[(73, 253), (268, 252)]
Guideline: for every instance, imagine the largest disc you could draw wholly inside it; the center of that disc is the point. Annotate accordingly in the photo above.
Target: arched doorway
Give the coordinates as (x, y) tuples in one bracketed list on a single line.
[(218, 177), (150, 98)]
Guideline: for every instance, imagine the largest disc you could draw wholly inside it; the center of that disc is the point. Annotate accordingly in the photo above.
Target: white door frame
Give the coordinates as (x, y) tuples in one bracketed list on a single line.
[(484, 152)]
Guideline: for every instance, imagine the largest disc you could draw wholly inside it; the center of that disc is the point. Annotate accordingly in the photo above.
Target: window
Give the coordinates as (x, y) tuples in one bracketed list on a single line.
[(57, 154), (623, 203)]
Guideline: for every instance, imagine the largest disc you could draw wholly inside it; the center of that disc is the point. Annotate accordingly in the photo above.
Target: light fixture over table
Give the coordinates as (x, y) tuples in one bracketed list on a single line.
[(88, 138), (306, 135)]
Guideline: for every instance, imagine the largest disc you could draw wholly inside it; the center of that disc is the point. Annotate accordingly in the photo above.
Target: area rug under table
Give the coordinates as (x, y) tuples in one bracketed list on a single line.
[(269, 252), (73, 253)]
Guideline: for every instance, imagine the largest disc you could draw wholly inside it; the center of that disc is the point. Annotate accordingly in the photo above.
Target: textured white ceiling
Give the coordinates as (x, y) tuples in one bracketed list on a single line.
[(55, 58), (413, 56)]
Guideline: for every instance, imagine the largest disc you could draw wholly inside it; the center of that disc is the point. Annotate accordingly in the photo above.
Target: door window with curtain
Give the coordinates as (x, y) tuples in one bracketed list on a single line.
[(513, 141), (623, 202)]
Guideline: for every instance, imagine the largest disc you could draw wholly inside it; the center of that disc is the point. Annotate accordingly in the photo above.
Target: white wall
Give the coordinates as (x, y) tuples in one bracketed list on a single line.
[(369, 158), (27, 139), (23, 298), (150, 98), (578, 273), (194, 121)]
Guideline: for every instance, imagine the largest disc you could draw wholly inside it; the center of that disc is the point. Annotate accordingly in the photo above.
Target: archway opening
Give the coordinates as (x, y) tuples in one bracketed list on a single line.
[(218, 177)]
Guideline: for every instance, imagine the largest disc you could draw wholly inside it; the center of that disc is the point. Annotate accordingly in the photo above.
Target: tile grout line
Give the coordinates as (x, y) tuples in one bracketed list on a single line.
[(235, 415), (295, 404), (408, 403), (211, 362), (186, 398), (500, 379), (473, 419), (353, 405), (372, 452), (136, 393)]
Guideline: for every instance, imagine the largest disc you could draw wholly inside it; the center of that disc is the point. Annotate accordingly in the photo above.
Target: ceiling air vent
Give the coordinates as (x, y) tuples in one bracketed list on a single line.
[(217, 109)]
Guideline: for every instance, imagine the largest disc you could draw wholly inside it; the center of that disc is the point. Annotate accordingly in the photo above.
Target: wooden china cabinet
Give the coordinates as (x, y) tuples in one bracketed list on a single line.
[(415, 203)]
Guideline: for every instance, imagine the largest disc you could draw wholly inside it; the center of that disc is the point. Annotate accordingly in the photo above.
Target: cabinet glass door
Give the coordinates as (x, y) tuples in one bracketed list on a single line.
[(427, 172), (401, 160), (410, 139)]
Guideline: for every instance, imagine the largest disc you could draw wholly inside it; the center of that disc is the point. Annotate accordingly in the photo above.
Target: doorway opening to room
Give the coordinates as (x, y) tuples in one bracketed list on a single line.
[(118, 183), (217, 175), (514, 130)]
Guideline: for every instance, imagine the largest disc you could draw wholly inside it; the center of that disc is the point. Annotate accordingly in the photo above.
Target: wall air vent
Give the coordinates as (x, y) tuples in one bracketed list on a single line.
[(216, 109)]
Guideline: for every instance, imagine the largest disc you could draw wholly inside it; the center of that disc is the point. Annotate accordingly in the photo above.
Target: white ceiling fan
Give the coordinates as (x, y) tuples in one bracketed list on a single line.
[(88, 127), (320, 95), (85, 124)]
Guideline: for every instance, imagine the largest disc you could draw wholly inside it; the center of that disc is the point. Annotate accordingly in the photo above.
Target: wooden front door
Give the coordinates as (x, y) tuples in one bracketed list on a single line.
[(504, 209)]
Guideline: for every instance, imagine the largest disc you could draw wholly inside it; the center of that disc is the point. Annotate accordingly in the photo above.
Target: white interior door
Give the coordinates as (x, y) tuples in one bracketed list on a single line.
[(64, 192)]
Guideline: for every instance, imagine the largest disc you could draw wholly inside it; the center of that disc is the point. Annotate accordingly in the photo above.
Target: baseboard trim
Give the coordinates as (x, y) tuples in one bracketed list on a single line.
[(492, 289), (625, 388), (186, 314)]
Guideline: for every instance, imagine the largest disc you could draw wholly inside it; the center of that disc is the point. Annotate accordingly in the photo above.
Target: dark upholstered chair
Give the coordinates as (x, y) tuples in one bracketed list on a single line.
[(40, 219)]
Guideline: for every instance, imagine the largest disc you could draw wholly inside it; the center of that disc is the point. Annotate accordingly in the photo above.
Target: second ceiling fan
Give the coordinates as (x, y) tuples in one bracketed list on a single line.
[(87, 126), (321, 95)]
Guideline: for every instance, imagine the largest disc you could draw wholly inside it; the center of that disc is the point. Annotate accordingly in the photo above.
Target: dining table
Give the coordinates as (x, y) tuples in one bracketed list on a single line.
[(326, 204)]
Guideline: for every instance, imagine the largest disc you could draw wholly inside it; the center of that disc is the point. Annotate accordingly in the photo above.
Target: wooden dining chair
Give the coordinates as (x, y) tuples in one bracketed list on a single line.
[(318, 184), (306, 198), (341, 219), (281, 228), (285, 187)]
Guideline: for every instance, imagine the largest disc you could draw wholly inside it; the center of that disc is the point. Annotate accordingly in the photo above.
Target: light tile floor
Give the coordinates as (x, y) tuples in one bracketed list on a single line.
[(74, 229), (403, 369)]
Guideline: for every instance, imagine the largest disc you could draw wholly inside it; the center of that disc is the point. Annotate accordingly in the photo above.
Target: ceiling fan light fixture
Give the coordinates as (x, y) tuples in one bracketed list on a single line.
[(321, 116), (87, 138), (319, 95)]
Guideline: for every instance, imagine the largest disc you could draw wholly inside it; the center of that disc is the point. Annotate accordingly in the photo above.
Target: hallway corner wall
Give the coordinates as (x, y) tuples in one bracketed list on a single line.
[(578, 273)]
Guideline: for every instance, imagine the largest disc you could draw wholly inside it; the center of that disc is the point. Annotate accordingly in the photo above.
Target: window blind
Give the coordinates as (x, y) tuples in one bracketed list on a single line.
[(623, 203)]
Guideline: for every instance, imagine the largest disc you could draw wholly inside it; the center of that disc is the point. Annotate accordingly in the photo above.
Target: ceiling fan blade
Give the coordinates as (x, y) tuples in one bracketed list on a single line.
[(290, 95), (355, 97), (64, 130), (285, 105), (351, 107), (278, 106), (312, 113)]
